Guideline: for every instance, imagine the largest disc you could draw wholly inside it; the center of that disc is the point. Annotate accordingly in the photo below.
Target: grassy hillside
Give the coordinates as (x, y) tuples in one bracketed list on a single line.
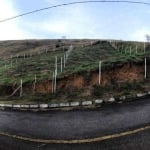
[(25, 59)]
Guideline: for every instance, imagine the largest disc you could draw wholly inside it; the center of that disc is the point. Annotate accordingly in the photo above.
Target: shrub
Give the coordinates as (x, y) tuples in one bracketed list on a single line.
[(57, 45), (137, 85), (73, 93), (97, 91)]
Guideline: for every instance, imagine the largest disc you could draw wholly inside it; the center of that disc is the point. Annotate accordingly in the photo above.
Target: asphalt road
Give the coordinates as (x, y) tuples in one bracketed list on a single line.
[(76, 124), (139, 141)]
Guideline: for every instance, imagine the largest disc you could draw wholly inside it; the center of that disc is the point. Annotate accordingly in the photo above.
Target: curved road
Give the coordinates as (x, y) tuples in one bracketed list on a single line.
[(77, 124)]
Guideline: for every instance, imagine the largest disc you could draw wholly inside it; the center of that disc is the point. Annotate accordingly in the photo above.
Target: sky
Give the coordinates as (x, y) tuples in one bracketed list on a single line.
[(120, 21)]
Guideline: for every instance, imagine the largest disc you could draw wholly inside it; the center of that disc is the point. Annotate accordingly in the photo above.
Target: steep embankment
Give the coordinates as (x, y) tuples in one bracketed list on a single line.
[(77, 68), (121, 74), (123, 78)]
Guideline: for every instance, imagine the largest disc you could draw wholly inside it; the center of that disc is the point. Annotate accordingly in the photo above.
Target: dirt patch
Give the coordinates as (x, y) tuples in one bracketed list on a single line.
[(74, 81), (126, 73), (43, 87)]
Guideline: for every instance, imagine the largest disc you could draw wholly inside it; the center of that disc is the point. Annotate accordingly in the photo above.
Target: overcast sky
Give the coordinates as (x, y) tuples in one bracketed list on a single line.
[(94, 20)]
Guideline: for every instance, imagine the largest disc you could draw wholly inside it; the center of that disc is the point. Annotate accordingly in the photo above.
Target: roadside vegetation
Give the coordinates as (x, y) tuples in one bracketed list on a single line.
[(24, 64), (25, 59)]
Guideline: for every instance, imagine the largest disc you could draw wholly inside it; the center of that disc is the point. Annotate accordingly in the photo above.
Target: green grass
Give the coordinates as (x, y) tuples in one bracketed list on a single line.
[(80, 59)]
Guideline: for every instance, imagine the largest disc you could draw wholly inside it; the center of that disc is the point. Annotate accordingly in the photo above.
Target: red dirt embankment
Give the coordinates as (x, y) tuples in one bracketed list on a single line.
[(124, 73)]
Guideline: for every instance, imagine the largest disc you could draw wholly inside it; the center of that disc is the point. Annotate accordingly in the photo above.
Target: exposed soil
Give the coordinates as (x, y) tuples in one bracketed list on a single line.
[(84, 81), (125, 73)]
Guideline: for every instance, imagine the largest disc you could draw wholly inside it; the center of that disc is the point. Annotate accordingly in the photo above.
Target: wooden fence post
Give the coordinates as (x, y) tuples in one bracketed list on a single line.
[(56, 64), (53, 82), (21, 88), (130, 51), (61, 64), (64, 61), (145, 76), (136, 49), (100, 71)]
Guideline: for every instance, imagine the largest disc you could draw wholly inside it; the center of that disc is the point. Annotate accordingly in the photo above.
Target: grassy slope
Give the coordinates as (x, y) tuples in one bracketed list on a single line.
[(83, 57), (42, 63)]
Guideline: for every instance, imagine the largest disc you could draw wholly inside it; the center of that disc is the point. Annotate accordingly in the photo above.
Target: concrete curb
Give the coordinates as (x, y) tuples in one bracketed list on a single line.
[(96, 103)]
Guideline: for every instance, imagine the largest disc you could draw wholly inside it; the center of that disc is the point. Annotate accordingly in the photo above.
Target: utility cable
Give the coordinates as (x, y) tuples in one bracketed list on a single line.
[(73, 3)]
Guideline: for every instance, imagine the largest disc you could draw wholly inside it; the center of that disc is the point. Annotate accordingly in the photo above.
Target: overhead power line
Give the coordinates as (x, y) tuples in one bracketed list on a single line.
[(73, 3)]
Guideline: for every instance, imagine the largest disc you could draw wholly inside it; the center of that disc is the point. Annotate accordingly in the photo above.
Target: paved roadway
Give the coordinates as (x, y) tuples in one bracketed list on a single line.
[(140, 141), (76, 124)]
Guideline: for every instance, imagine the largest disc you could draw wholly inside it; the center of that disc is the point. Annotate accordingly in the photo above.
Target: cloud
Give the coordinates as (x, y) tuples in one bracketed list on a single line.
[(82, 21), (6, 9), (74, 22), (11, 30), (53, 2), (139, 34)]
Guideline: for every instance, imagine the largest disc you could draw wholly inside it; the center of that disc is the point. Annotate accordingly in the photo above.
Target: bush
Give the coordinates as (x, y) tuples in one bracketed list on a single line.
[(57, 45), (127, 86), (97, 91), (137, 86), (72, 93)]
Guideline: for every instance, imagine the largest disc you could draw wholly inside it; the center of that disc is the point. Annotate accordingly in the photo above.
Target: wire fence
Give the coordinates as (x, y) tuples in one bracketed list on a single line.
[(59, 63)]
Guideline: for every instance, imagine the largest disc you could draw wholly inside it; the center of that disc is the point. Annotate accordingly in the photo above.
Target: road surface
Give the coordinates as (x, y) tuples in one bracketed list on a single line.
[(84, 124)]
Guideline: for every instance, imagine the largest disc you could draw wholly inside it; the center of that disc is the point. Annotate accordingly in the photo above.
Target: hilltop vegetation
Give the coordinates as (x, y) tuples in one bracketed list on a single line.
[(29, 58), (25, 59)]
